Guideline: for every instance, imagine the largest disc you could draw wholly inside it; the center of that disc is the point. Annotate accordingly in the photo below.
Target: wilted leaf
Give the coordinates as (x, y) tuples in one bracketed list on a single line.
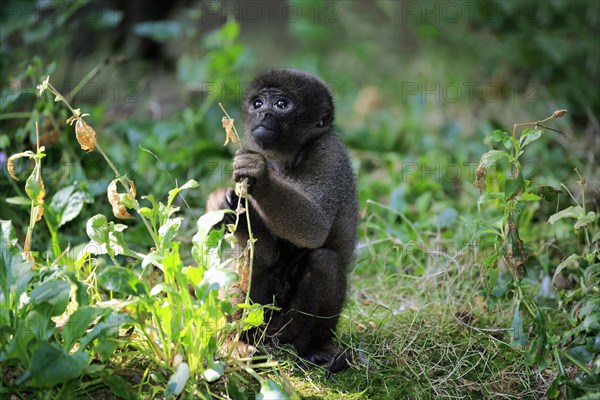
[(513, 251), (85, 134), (229, 130), (10, 162), (241, 188), (116, 199), (480, 175)]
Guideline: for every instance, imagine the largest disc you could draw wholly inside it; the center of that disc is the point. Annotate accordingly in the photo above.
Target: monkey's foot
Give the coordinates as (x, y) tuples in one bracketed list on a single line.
[(336, 361)]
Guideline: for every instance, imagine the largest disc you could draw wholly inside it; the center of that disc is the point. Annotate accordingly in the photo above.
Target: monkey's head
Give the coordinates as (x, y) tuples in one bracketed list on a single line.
[(285, 109)]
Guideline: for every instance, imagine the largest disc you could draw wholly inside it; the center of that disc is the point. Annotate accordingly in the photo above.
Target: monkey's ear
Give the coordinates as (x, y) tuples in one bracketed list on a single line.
[(326, 120)]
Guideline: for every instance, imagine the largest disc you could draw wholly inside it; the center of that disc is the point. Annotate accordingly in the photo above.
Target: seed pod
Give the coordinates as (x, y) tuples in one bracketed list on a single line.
[(558, 113)]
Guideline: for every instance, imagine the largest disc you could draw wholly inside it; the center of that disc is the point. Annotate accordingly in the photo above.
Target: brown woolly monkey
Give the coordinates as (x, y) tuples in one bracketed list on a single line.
[(303, 210)]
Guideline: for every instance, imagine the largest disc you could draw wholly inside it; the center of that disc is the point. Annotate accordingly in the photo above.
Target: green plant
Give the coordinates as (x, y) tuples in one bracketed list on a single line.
[(179, 323), (511, 193)]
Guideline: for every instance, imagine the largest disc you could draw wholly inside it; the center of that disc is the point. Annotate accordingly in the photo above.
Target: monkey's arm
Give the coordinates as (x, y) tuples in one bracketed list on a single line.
[(300, 207), (291, 214)]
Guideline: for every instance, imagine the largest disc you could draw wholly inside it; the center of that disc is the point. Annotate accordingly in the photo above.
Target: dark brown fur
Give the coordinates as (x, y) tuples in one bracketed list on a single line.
[(303, 210)]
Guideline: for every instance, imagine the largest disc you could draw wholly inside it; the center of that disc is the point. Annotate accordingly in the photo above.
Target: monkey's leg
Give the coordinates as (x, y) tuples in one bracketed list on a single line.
[(310, 317)]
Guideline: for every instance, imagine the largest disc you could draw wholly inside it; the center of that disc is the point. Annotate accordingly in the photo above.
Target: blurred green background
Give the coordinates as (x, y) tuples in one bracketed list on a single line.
[(417, 86)]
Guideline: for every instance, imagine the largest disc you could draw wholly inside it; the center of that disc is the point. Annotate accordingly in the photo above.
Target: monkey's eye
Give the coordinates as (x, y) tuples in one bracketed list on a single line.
[(282, 104), (258, 103)]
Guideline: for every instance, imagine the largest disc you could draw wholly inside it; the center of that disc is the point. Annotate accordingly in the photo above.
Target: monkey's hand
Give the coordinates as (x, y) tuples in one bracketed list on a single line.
[(249, 164), (223, 199)]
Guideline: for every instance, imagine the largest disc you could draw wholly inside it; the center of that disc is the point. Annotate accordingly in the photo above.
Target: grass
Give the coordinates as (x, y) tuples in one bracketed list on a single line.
[(408, 345)]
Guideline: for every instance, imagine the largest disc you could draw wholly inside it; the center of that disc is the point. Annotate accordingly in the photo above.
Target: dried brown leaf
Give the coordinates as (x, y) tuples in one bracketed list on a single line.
[(229, 131), (513, 251), (85, 134), (38, 212), (481, 174), (10, 166), (115, 200)]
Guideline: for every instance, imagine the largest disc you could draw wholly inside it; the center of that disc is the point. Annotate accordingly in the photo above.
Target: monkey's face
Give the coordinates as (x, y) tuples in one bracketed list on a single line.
[(269, 112), (283, 109)]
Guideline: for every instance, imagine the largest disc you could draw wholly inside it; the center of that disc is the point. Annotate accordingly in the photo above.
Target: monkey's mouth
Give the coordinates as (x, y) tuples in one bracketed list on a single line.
[(264, 135)]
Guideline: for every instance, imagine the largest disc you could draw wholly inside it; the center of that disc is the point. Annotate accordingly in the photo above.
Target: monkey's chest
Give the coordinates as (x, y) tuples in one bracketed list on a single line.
[(287, 271)]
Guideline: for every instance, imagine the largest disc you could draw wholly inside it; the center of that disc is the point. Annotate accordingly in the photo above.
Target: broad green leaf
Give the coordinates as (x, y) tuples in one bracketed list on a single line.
[(528, 196), (15, 273), (18, 200), (119, 279), (445, 218), (168, 231), (498, 135), (174, 192), (7, 233), (514, 186), (106, 347), (516, 327), (178, 380), (214, 371), (68, 202), (571, 262), (529, 136), (591, 313), (107, 328), (51, 365), (194, 275), (79, 323), (548, 193), (570, 212), (201, 245), (119, 387), (217, 278), (205, 224), (491, 157), (97, 228), (54, 292), (254, 319), (553, 392), (582, 222), (581, 354), (269, 390)]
